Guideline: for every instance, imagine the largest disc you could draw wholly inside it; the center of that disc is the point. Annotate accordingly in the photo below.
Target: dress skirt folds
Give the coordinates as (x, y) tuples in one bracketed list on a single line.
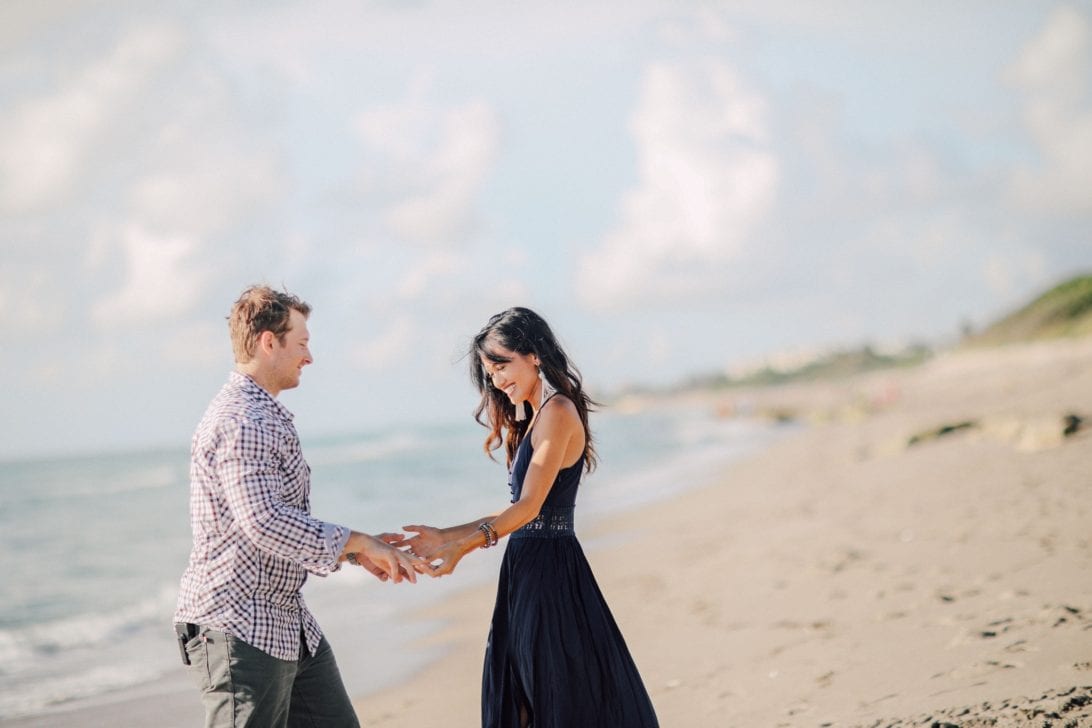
[(555, 653)]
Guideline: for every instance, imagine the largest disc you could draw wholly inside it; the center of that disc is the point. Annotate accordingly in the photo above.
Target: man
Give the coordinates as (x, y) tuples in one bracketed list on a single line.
[(250, 642)]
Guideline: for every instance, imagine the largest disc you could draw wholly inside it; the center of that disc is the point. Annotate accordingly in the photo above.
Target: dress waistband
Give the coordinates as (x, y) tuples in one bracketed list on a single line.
[(551, 522)]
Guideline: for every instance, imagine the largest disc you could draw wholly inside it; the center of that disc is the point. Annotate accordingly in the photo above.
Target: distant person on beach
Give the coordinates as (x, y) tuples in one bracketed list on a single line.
[(255, 651), (555, 657)]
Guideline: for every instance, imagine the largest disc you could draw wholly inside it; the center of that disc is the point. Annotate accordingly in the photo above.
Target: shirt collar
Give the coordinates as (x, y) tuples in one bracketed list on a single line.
[(256, 391)]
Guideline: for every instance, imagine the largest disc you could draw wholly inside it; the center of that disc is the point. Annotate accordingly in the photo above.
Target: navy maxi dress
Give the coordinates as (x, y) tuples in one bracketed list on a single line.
[(554, 647)]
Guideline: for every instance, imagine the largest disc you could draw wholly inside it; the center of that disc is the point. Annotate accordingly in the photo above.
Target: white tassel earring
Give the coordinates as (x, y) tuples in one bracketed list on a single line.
[(545, 391), (521, 411)]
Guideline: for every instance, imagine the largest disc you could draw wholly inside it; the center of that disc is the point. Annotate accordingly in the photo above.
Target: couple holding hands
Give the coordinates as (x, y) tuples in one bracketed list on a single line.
[(555, 657)]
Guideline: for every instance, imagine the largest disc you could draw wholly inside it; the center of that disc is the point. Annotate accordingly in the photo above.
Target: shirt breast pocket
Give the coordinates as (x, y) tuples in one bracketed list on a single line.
[(297, 474)]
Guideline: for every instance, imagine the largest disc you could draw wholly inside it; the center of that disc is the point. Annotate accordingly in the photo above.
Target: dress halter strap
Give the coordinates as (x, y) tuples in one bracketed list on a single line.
[(534, 419)]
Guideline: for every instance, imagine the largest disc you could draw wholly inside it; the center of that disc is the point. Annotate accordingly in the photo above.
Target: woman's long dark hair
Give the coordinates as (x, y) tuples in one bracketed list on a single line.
[(525, 332)]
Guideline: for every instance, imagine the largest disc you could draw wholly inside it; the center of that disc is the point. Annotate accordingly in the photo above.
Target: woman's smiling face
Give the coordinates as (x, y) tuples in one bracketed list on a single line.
[(517, 377)]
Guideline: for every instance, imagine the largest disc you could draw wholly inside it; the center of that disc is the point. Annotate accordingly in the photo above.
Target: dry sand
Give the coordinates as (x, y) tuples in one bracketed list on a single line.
[(844, 577)]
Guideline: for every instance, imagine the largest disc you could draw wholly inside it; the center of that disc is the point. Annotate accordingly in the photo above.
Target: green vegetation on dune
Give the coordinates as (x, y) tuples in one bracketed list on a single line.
[(1065, 310)]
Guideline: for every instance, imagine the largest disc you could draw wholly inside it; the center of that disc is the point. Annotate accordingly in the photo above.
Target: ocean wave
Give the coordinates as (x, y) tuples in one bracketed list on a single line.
[(146, 478), (21, 648), (64, 688), (85, 655), (61, 485), (13, 651)]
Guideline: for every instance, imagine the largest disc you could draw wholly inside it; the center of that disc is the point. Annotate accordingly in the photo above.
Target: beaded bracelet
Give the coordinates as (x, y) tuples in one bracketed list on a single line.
[(490, 534)]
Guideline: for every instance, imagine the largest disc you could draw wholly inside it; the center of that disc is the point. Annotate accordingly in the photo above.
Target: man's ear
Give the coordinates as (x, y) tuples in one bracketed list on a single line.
[(266, 340)]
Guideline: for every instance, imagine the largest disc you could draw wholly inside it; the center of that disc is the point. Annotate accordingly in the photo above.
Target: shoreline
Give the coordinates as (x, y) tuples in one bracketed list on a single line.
[(854, 573)]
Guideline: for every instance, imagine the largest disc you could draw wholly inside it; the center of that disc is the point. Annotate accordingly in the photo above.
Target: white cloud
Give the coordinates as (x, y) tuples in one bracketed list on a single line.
[(204, 192), (430, 164), (422, 276), (162, 280), (1054, 71), (30, 301), (45, 142), (197, 345), (389, 347), (294, 39), (706, 180)]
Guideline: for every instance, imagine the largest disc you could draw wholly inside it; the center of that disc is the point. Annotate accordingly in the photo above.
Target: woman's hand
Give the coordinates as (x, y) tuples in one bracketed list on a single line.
[(449, 556), (425, 544)]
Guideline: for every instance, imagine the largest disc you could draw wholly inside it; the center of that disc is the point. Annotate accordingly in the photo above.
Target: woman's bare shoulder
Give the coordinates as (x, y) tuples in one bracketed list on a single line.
[(558, 416), (559, 405)]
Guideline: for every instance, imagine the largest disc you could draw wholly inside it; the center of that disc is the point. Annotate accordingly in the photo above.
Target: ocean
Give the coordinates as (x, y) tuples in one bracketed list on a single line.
[(92, 547)]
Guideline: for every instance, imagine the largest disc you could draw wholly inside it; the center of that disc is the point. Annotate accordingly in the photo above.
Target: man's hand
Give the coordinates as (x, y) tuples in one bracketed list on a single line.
[(367, 564), (384, 561)]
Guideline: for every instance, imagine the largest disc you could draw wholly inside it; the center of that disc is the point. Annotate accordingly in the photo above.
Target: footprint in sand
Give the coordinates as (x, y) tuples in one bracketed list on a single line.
[(979, 669), (650, 585), (708, 612), (1054, 616)]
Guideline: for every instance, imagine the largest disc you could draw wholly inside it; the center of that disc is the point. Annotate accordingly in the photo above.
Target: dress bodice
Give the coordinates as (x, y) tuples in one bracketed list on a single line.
[(563, 492)]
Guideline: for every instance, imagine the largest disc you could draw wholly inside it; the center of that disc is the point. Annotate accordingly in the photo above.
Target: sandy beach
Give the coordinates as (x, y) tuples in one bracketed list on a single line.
[(918, 554)]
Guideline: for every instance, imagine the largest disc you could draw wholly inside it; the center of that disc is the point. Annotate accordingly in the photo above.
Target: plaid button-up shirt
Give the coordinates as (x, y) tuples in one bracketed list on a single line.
[(254, 538)]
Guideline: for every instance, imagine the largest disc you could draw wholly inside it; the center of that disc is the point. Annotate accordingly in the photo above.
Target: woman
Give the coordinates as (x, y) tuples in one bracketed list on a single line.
[(555, 657)]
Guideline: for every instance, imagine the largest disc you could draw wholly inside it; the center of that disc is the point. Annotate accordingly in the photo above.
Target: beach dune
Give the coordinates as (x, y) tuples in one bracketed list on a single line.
[(923, 557)]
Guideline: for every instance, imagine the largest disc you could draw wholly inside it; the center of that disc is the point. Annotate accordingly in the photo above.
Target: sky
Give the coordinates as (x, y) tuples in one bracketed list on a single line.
[(677, 187)]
